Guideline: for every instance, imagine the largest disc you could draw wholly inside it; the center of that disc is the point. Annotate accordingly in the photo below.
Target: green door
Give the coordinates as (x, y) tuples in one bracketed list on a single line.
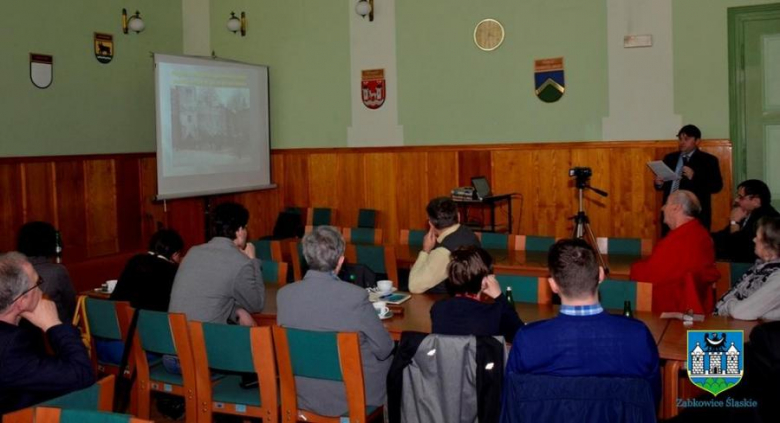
[(754, 35)]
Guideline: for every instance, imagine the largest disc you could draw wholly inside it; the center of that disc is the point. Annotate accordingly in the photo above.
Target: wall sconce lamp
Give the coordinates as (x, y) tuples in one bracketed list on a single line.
[(134, 22), (365, 7), (234, 24)]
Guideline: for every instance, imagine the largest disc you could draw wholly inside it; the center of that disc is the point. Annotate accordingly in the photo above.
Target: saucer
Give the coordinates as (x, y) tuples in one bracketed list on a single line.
[(387, 316)]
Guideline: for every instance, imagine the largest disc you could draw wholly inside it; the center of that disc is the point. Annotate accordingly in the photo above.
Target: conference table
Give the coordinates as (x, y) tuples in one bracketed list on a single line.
[(528, 263), (669, 334)]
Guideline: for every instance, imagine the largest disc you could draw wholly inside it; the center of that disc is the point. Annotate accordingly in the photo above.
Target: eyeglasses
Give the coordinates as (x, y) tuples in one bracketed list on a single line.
[(36, 286), (744, 197)]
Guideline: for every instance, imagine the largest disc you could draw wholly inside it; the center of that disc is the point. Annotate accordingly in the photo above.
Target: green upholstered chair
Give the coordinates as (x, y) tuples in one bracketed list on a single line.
[(533, 243), (57, 415), (614, 293), (362, 236), (367, 218), (164, 333), (224, 350), (265, 249), (380, 259), (625, 246), (737, 270), (299, 264), (99, 396), (274, 272), (108, 322), (494, 241), (527, 289), (319, 216), (321, 355), (412, 237)]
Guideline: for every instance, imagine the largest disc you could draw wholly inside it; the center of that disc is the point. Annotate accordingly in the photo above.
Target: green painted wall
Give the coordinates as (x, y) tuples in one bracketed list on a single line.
[(701, 73), (90, 107), (305, 43)]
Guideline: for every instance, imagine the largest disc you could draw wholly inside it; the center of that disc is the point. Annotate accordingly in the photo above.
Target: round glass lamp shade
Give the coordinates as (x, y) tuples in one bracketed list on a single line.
[(136, 24), (233, 24), (362, 8)]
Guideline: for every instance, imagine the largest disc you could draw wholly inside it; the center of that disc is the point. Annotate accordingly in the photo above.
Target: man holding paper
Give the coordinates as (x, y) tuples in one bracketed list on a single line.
[(696, 171)]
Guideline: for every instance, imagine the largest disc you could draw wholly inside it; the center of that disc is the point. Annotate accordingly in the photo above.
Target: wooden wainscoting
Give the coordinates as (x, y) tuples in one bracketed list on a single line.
[(104, 204)]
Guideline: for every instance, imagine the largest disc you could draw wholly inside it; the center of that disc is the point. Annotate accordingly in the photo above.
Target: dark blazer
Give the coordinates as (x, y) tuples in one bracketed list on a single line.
[(146, 282), (57, 286), (706, 180), (322, 302), (28, 375), (739, 246)]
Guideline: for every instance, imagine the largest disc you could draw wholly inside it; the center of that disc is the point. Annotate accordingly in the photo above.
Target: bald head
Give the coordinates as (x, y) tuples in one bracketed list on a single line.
[(681, 207)]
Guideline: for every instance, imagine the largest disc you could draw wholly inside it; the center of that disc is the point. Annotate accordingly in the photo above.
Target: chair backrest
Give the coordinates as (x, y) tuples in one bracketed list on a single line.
[(494, 241), (736, 271), (366, 218), (299, 264), (614, 293), (319, 355), (363, 236), (274, 272), (625, 246), (380, 259), (56, 415), (265, 249), (543, 398), (103, 319), (412, 237), (231, 348), (527, 289), (533, 243), (99, 396), (319, 216)]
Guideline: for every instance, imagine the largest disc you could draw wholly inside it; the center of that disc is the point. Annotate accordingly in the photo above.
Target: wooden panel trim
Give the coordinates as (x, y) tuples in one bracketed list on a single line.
[(78, 157)]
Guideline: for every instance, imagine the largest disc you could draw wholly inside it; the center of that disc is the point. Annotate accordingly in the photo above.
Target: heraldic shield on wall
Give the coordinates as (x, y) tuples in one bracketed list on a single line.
[(715, 359), (41, 70), (104, 47), (373, 88), (548, 79)]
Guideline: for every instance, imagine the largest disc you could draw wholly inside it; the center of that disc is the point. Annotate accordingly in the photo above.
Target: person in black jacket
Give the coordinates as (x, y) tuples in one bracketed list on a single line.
[(699, 173), (28, 375), (470, 281), (147, 279), (736, 242)]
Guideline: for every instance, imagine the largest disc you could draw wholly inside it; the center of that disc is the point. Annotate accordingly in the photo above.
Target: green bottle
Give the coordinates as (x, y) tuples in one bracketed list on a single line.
[(58, 246), (627, 309), (509, 298)]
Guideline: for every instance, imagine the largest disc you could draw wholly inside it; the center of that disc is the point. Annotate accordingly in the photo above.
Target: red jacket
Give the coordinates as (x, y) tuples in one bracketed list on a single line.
[(689, 250)]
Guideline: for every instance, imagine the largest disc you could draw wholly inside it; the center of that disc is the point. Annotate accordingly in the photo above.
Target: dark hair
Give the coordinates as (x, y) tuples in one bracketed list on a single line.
[(769, 226), (573, 266), (468, 266), (691, 131), (759, 189), (37, 239), (227, 219), (442, 212), (166, 242)]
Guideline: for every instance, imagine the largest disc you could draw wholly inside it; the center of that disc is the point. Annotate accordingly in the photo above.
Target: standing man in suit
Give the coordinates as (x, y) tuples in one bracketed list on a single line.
[(221, 281), (323, 302), (699, 173)]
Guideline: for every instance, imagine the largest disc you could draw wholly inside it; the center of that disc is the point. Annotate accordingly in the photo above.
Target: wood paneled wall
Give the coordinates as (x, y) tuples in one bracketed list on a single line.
[(104, 204)]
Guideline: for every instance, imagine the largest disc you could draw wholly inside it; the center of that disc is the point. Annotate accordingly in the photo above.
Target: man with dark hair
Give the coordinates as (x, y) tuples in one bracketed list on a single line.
[(736, 242), (28, 374), (699, 173), (444, 235), (147, 279), (584, 340), (323, 302), (221, 281)]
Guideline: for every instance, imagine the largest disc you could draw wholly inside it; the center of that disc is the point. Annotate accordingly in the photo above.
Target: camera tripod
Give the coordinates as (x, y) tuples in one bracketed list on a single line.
[(582, 229)]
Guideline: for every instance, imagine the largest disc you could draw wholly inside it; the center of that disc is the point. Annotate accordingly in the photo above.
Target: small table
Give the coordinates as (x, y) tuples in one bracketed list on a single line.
[(490, 201)]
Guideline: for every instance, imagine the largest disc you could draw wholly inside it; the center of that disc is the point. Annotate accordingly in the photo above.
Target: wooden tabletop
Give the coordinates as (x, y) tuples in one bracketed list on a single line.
[(674, 344), (530, 263)]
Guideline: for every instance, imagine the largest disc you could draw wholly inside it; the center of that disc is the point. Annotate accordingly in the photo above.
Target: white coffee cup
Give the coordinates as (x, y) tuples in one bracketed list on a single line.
[(384, 286), (381, 309), (110, 285)]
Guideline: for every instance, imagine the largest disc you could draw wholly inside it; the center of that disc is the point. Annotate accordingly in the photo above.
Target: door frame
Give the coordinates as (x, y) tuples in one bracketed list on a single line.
[(738, 17)]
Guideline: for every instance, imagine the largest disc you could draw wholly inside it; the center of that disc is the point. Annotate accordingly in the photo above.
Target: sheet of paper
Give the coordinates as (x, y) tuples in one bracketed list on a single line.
[(681, 316), (662, 171)]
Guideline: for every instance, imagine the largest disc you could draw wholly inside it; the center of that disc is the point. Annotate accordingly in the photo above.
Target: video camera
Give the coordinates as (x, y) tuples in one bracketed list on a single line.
[(581, 172)]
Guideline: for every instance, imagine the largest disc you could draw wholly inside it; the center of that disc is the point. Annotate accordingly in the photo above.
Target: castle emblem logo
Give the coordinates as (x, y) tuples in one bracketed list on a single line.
[(715, 359), (373, 88)]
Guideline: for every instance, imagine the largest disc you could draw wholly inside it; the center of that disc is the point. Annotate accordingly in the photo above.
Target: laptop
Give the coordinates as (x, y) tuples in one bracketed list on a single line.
[(482, 186)]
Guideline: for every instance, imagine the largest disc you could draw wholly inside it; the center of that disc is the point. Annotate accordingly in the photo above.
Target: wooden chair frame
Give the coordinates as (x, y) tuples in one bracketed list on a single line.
[(297, 260), (403, 238), (281, 274), (105, 388), (123, 318), (544, 294), (352, 373), (646, 245), (52, 415), (510, 240), (347, 232), (517, 242), (145, 385), (276, 250), (310, 215), (391, 265), (263, 358)]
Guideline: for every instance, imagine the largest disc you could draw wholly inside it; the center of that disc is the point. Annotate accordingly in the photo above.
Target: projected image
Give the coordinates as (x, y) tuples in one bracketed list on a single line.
[(208, 125)]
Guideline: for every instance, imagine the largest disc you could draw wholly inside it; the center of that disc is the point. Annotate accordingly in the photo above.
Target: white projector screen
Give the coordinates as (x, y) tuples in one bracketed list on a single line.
[(212, 127)]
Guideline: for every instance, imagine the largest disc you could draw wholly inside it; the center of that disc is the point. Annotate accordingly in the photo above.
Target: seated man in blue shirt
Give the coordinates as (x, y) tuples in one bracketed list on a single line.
[(584, 340)]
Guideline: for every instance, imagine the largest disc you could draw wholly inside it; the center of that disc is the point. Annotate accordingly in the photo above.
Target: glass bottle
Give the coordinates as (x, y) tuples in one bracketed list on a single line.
[(509, 298), (627, 309)]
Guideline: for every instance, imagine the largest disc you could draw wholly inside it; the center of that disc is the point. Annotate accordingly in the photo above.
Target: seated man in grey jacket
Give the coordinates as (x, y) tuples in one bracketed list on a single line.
[(221, 281), (322, 302)]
